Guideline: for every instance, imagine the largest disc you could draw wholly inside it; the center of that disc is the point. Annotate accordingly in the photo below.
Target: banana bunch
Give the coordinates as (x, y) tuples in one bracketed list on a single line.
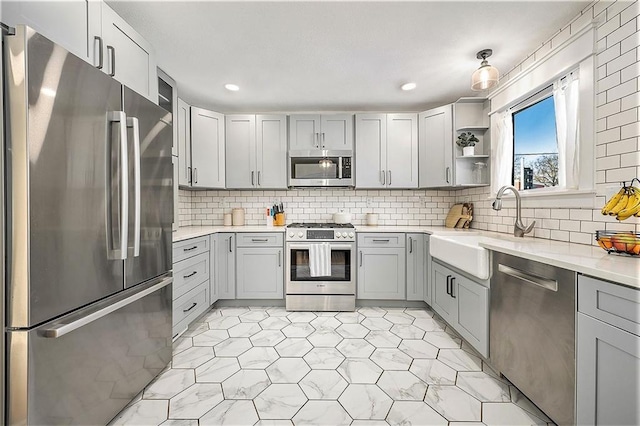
[(624, 204)]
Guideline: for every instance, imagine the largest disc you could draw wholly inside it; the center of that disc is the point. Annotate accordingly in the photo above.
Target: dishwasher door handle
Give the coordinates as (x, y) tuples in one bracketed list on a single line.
[(545, 283)]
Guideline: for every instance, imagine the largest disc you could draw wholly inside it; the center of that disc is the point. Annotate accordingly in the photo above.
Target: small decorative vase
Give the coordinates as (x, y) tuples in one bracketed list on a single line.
[(468, 150)]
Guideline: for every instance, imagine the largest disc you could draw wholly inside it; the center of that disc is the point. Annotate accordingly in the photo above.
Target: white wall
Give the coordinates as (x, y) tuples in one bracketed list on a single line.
[(617, 149)]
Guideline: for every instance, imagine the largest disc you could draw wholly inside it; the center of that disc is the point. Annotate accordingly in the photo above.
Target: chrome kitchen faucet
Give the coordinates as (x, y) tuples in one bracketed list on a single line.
[(518, 228)]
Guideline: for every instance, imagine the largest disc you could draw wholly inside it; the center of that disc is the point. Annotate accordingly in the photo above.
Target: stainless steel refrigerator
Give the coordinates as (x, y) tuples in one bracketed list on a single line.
[(89, 209)]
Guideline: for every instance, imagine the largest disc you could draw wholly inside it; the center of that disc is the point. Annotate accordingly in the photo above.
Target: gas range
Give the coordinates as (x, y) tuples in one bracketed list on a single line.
[(321, 232)]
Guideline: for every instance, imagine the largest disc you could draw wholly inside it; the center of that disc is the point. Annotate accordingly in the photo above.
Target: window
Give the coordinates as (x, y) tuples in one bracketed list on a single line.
[(535, 144)]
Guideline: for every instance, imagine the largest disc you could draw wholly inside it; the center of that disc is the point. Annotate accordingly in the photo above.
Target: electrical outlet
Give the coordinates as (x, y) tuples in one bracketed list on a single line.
[(222, 203), (369, 201)]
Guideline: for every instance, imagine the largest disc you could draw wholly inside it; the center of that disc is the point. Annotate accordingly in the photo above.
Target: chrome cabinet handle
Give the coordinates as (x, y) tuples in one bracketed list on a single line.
[(316, 137), (389, 178), (452, 287), (545, 283), (133, 123), (100, 51), (60, 330), (410, 245), (381, 241), (188, 174), (259, 240), (448, 169), (123, 169), (252, 176), (113, 60), (190, 248), (323, 139), (383, 177), (258, 177), (230, 242), (195, 175), (192, 306), (279, 258), (190, 275), (360, 257)]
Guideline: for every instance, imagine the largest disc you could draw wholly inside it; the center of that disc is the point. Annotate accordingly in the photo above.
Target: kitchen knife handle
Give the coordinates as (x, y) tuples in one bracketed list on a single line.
[(100, 51), (113, 60)]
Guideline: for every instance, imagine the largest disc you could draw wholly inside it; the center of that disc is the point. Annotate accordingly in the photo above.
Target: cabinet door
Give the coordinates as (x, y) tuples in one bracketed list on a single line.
[(381, 273), (371, 155), (304, 132), (443, 303), (337, 132), (225, 266), (184, 143), (402, 151), (72, 24), (607, 371), (214, 255), (240, 151), (271, 157), (436, 147), (259, 273), (428, 286), (129, 58), (472, 313), (207, 148), (416, 266)]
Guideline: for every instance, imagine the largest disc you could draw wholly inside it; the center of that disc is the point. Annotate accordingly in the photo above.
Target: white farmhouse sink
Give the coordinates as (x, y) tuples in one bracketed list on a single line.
[(463, 252)]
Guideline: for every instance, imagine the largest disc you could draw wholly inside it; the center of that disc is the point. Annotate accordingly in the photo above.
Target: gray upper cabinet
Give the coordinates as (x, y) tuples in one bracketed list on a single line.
[(93, 31), (386, 151), (183, 123), (207, 149), (256, 151), (436, 147), (331, 132), (607, 353), (416, 266)]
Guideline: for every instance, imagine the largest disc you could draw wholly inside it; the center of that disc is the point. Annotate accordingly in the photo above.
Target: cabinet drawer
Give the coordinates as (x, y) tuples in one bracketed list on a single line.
[(189, 273), (189, 248), (381, 240), (190, 305), (609, 302), (259, 240)]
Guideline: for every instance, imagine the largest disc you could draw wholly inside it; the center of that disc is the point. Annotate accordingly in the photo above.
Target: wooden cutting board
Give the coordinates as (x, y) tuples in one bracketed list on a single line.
[(459, 216)]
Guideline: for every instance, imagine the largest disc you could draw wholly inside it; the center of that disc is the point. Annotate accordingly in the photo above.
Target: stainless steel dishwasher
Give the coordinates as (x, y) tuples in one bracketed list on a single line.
[(532, 332)]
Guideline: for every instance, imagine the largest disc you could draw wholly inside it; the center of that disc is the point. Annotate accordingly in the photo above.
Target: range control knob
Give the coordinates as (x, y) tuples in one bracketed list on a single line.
[(351, 235), (291, 234), (300, 234), (344, 235), (338, 235)]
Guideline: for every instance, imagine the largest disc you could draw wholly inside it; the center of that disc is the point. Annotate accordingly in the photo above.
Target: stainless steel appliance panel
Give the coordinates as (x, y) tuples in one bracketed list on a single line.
[(532, 332), (299, 281), (320, 303), (149, 129), (65, 192), (85, 367)]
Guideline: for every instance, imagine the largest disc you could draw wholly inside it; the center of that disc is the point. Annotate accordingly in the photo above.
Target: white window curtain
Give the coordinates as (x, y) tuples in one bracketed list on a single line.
[(503, 160), (565, 98)]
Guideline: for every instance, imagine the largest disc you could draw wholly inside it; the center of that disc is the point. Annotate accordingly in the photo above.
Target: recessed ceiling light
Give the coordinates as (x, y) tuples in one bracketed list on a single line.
[(408, 86), (232, 87)]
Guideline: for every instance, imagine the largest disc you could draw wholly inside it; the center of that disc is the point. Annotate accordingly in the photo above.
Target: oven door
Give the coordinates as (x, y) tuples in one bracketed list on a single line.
[(341, 281)]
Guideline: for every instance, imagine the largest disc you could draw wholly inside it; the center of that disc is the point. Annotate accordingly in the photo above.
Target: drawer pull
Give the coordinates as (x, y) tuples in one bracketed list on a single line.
[(190, 275), (453, 286), (259, 240), (448, 284), (192, 306), (190, 248), (381, 241)]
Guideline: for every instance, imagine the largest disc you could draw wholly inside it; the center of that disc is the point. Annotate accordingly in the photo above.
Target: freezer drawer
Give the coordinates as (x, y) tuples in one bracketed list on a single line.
[(85, 367)]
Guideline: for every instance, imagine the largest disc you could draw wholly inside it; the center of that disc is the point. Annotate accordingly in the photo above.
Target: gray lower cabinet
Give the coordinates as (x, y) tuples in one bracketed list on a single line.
[(416, 266), (225, 266), (464, 304), (381, 267), (191, 281), (608, 353), (259, 266)]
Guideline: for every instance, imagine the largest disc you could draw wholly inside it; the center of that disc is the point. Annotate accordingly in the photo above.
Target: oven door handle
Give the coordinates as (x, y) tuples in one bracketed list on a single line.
[(303, 246)]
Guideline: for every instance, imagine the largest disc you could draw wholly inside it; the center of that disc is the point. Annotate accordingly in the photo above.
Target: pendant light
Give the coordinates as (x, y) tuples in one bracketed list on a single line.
[(487, 75)]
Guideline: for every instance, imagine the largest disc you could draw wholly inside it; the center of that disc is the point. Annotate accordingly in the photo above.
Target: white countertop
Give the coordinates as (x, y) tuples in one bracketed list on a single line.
[(589, 260)]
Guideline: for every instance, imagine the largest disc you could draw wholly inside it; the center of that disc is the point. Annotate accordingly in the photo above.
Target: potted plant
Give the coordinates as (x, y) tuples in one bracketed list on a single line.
[(466, 141)]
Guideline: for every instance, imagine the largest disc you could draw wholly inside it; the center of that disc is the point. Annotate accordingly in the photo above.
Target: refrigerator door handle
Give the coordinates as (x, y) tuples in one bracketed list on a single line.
[(132, 122), (61, 329), (121, 251)]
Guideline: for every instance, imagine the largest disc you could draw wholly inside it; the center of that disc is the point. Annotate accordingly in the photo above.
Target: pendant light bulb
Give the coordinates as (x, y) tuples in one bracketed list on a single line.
[(487, 75)]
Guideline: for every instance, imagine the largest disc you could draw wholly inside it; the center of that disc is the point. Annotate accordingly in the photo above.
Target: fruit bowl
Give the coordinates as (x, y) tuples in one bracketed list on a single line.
[(619, 242)]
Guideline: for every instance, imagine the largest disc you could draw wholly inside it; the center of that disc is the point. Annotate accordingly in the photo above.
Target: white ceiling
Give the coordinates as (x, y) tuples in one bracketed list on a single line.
[(337, 56)]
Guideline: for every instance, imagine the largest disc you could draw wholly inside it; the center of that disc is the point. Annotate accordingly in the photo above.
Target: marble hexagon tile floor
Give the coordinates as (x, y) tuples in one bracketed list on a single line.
[(267, 366)]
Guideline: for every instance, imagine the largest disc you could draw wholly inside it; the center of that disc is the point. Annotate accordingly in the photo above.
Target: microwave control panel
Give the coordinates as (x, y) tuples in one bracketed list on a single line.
[(346, 167)]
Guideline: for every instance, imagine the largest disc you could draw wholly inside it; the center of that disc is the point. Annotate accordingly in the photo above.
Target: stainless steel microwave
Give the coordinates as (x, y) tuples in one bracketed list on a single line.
[(321, 168)]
